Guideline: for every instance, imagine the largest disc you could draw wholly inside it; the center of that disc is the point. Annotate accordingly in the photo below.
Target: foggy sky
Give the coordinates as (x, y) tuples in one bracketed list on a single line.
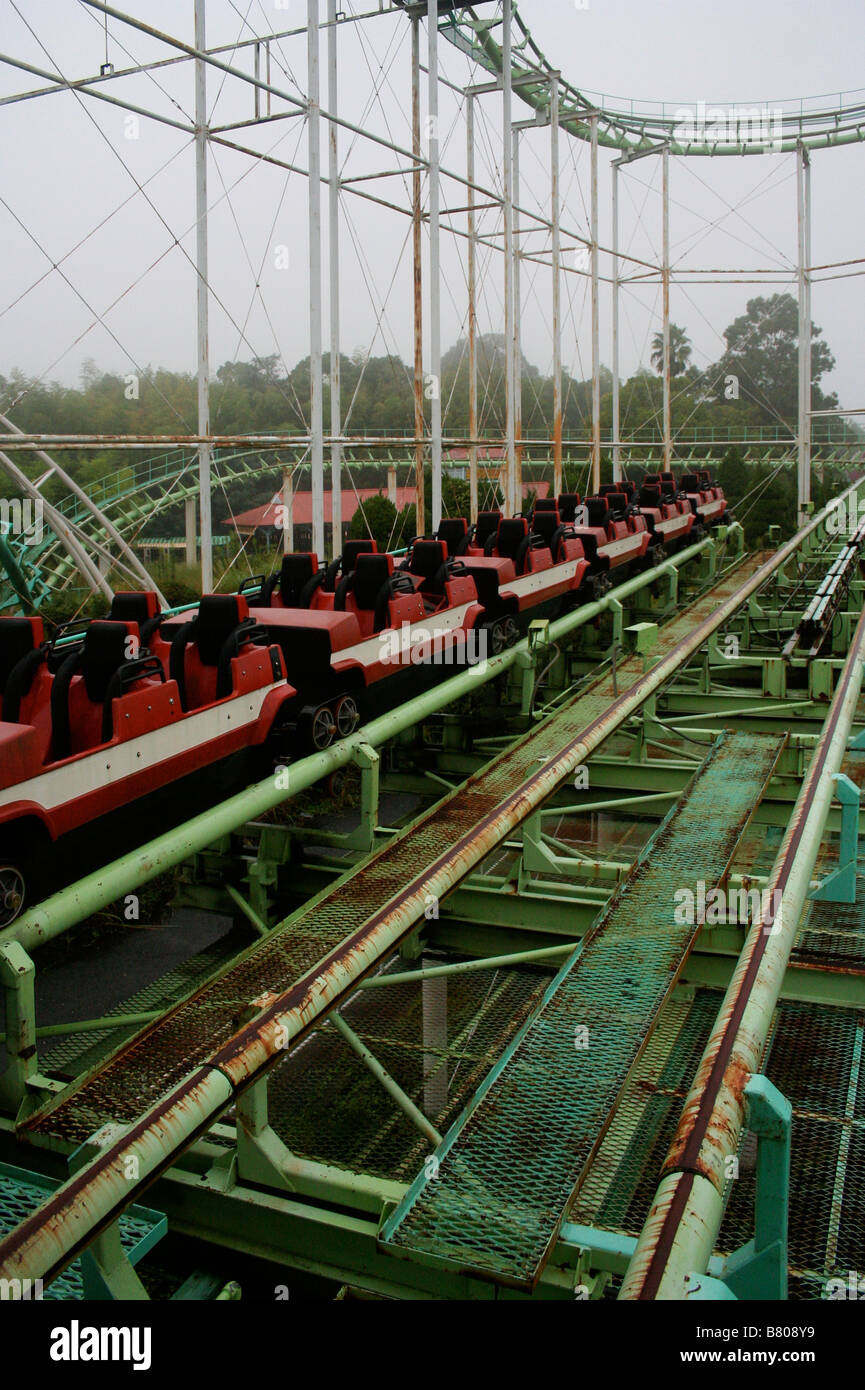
[(67, 166)]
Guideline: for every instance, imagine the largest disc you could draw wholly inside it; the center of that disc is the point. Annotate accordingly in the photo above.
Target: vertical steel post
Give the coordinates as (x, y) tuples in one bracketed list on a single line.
[(316, 430), (518, 353), (665, 276), (287, 510), (473, 311), (803, 209), (418, 277), (204, 451), (617, 466), (511, 501), (555, 218), (333, 206), (190, 553), (434, 265), (596, 349)]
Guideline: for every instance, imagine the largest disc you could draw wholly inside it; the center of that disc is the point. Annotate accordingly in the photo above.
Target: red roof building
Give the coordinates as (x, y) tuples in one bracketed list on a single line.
[(269, 516)]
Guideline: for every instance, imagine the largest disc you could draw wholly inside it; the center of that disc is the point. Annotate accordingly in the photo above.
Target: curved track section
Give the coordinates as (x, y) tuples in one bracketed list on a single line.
[(816, 122)]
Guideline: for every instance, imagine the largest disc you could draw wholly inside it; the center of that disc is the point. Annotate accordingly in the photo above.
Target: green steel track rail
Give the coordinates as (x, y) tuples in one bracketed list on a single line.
[(628, 126)]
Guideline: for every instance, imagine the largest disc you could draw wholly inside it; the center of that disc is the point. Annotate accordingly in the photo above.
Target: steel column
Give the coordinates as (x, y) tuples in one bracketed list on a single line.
[(417, 277), (555, 214), (473, 310), (518, 353), (435, 386), (333, 224), (803, 432), (511, 500), (665, 278), (596, 347), (617, 466), (316, 430), (204, 449)]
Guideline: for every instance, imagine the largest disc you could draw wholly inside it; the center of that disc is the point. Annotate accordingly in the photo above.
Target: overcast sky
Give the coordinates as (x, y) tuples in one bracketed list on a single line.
[(70, 177)]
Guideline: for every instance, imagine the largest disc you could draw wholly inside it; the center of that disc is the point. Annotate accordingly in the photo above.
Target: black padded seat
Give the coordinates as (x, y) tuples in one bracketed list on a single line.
[(296, 580), (454, 531), (141, 607), (512, 540), (598, 511), (108, 645), (347, 560), (222, 625), (487, 525), (427, 562), (568, 503), (22, 652)]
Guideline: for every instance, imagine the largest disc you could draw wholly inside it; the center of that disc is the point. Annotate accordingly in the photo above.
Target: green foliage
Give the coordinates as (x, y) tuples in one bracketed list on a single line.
[(376, 517), (680, 351), (761, 353)]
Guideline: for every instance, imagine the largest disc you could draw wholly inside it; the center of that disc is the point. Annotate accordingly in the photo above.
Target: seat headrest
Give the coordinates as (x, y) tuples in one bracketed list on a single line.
[(568, 503), (352, 549), (452, 530), (218, 616), (106, 646), (511, 534), (599, 513), (370, 573), (689, 482), (650, 495), (546, 523), (296, 571), (427, 558), (487, 525), (128, 606), (616, 501), (18, 637), (546, 504)]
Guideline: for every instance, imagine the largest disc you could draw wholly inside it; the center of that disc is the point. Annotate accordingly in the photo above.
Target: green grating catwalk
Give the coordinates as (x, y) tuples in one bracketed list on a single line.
[(494, 1202)]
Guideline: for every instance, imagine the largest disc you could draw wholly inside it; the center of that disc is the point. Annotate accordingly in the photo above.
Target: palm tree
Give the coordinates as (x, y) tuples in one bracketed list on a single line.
[(680, 351)]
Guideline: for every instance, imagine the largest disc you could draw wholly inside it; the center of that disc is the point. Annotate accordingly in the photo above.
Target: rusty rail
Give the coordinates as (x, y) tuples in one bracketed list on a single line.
[(682, 1227)]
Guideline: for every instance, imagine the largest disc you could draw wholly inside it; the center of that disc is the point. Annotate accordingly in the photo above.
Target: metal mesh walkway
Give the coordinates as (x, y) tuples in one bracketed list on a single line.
[(508, 1171), (148, 1065)]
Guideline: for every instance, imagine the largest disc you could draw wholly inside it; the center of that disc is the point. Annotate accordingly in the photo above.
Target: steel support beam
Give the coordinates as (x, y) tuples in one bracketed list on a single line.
[(555, 216), (472, 310), (803, 356), (202, 292), (434, 195), (596, 347), (333, 224), (417, 257), (316, 427), (617, 464), (665, 280), (512, 501)]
